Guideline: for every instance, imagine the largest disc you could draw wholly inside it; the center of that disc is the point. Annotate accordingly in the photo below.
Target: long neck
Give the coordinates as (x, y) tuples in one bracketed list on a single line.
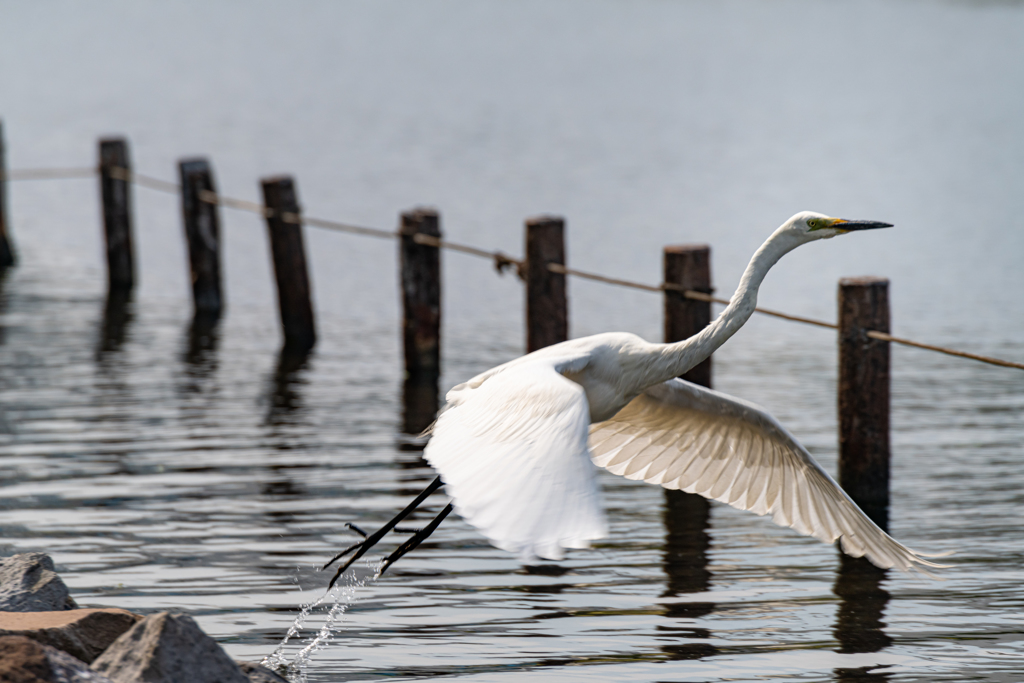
[(675, 359)]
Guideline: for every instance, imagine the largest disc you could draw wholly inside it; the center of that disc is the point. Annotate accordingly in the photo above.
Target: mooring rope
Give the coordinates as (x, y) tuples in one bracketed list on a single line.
[(501, 261)]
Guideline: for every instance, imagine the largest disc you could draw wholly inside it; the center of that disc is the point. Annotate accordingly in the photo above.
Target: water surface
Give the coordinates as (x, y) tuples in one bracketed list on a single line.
[(166, 465)]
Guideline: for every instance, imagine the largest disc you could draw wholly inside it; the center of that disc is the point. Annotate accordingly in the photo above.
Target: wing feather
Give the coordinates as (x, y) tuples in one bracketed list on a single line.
[(512, 452), (686, 437)]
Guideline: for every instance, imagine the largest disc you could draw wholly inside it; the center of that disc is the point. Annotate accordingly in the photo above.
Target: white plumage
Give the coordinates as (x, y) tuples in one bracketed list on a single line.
[(516, 446)]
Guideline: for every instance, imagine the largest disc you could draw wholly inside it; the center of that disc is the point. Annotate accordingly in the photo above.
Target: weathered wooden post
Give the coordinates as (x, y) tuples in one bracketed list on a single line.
[(420, 272), (202, 231), (547, 308), (421, 292), (864, 395), (688, 266), (115, 191), (7, 257), (284, 224), (686, 514)]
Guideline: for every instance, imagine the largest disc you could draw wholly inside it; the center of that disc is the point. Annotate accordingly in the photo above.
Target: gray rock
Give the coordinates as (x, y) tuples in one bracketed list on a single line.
[(23, 660), (258, 673), (82, 633), (167, 648), (28, 583)]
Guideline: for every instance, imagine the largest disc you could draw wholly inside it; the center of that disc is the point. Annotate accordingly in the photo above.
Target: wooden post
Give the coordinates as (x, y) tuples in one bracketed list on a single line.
[(864, 395), (202, 231), (547, 309), (289, 255), (7, 257), (686, 514), (421, 293), (689, 266), (115, 191)]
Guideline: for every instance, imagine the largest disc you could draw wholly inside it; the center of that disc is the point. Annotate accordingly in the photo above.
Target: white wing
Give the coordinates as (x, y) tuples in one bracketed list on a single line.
[(683, 436), (512, 452)]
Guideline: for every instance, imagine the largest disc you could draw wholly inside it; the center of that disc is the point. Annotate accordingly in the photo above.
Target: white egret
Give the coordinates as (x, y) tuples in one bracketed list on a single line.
[(516, 445)]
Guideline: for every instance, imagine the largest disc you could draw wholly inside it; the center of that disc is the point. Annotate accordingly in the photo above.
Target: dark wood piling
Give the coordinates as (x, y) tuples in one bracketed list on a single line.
[(547, 308), (864, 395), (284, 223), (688, 266), (7, 257), (202, 232), (686, 514), (420, 267), (115, 192)]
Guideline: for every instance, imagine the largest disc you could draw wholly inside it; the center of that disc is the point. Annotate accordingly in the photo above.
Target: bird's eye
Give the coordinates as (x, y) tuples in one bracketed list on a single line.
[(814, 223)]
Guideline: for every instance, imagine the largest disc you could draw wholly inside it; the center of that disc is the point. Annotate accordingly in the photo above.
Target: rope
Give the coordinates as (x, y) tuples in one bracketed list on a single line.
[(882, 336), (48, 174), (501, 260)]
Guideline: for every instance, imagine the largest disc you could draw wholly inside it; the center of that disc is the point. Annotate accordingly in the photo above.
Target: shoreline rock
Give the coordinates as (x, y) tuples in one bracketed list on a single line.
[(29, 583), (46, 638), (24, 660), (82, 633), (167, 648)]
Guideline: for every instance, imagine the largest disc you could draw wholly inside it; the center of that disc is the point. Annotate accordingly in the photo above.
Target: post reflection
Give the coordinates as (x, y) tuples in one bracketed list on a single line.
[(862, 599), (3, 303), (686, 543), (118, 313), (859, 626), (420, 404), (685, 562), (200, 357), (284, 399), (286, 410)]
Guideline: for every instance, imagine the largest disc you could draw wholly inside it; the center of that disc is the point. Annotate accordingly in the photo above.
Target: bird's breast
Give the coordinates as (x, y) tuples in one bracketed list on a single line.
[(603, 398)]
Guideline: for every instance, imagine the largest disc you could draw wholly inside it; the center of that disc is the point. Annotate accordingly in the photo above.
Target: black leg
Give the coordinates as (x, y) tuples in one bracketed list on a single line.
[(371, 540), (420, 536)]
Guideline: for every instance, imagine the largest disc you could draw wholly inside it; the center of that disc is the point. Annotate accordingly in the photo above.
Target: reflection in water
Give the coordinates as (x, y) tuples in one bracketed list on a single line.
[(118, 313), (284, 400), (200, 356), (686, 543), (419, 409), (3, 303), (686, 566), (864, 673), (419, 402), (859, 625)]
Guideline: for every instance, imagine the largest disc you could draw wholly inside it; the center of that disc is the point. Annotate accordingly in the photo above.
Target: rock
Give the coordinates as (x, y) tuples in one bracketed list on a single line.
[(28, 583), (82, 633), (258, 673), (167, 648), (23, 660)]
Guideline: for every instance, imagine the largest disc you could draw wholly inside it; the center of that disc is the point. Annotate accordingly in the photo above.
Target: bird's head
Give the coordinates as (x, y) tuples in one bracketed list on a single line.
[(809, 226)]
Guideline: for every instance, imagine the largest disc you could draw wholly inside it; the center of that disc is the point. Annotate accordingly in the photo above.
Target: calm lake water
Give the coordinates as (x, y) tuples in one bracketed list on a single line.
[(164, 466)]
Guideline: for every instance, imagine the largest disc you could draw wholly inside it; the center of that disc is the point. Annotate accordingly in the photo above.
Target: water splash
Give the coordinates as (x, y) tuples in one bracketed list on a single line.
[(341, 597)]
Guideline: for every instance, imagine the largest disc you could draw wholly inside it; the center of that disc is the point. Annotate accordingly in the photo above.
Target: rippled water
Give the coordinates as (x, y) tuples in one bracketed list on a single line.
[(169, 466)]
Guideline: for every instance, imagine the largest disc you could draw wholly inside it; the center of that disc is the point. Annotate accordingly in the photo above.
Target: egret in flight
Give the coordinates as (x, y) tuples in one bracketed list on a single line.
[(516, 446)]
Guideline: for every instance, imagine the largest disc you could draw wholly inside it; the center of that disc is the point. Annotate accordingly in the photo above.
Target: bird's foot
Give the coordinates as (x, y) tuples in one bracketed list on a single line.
[(369, 540), (413, 542)]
